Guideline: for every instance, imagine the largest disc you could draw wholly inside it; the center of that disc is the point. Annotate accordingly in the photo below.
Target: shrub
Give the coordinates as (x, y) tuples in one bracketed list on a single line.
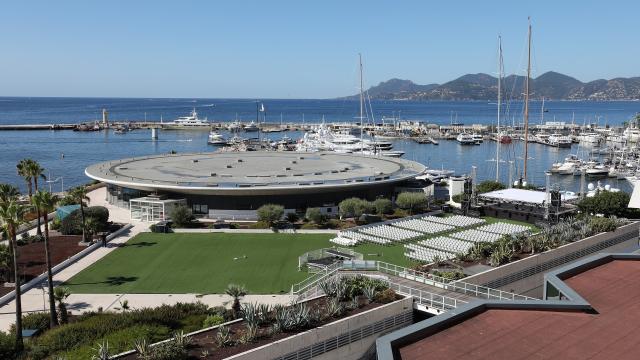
[(488, 186), (603, 224), (354, 207), (169, 350), (72, 224), (292, 217), (212, 320), (7, 346), (383, 206), (270, 213), (607, 203), (315, 215), (386, 296), (181, 216), (412, 201), (259, 225)]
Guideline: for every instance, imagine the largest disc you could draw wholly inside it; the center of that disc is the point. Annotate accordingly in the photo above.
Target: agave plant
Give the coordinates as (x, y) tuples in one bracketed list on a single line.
[(369, 293), (250, 334), (101, 352), (264, 314), (223, 336), (329, 287), (143, 349), (250, 314), (181, 339), (334, 308)]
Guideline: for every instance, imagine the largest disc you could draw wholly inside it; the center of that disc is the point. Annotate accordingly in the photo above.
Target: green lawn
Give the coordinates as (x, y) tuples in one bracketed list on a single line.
[(200, 263), (206, 263)]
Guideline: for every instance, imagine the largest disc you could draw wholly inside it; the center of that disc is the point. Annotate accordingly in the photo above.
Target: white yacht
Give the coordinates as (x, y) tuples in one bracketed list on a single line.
[(251, 127), (216, 139), (477, 138), (465, 139), (590, 139), (570, 166), (187, 122), (559, 140)]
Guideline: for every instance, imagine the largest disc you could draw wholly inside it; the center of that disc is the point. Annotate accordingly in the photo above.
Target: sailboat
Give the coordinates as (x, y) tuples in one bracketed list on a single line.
[(523, 178)]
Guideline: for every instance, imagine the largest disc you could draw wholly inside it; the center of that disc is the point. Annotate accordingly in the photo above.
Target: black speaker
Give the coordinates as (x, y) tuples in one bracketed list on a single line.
[(556, 199), (468, 186)]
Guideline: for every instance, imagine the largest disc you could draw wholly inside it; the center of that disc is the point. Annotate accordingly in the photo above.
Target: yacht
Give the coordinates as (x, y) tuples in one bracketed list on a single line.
[(465, 139), (590, 139), (435, 175), (570, 166), (187, 122), (216, 139), (251, 127), (596, 169), (477, 138), (632, 133), (504, 138), (558, 140)]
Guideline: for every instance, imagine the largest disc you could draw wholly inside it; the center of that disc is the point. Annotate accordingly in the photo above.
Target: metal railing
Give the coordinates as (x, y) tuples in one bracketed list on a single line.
[(314, 279), (462, 287), (428, 299)]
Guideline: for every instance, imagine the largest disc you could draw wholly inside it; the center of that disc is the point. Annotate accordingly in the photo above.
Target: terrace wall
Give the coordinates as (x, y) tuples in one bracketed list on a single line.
[(526, 276), (345, 339)]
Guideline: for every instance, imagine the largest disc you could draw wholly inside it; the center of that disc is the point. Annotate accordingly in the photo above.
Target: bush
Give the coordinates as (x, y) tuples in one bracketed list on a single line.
[(386, 296), (488, 186), (292, 217), (354, 207), (181, 216), (412, 201), (212, 320), (603, 224), (315, 215), (72, 224), (169, 350), (270, 213), (607, 203), (7, 346), (383, 206)]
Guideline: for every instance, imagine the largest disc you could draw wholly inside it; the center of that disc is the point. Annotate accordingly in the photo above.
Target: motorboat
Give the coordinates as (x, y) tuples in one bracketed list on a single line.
[(558, 140), (590, 139), (504, 138), (477, 138), (187, 122), (251, 127), (596, 169), (465, 139), (216, 139), (435, 175)]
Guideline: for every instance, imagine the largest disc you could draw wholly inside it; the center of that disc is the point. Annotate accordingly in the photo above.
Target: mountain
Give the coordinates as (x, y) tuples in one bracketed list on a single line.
[(550, 85)]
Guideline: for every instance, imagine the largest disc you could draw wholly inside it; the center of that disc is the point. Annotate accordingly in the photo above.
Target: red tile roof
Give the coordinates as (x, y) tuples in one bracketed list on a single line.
[(613, 289)]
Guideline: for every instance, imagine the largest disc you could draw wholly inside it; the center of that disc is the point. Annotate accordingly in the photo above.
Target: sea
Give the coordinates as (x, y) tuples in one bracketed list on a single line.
[(65, 153)]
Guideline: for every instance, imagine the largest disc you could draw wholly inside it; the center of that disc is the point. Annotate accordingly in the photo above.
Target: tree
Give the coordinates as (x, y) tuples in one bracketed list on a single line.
[(5, 261), (270, 213), (46, 202), (606, 203), (292, 217), (93, 226), (79, 194), (12, 215), (61, 294), (488, 186), (383, 206), (36, 171), (354, 207), (411, 201), (237, 292), (181, 215), (7, 192), (315, 215)]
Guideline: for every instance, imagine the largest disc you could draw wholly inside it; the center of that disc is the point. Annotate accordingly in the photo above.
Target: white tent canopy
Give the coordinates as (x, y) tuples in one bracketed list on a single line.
[(523, 196)]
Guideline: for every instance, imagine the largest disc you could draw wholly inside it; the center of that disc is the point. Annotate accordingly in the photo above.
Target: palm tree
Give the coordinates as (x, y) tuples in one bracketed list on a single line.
[(79, 195), (23, 170), (92, 227), (36, 171), (7, 192), (12, 215), (237, 292), (60, 294), (46, 202), (5, 260)]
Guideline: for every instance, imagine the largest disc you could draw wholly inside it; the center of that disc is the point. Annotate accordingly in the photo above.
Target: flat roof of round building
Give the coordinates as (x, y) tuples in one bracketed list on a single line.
[(253, 172)]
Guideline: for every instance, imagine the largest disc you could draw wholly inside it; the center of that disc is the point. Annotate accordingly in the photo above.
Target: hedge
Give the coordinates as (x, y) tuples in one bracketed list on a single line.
[(72, 224)]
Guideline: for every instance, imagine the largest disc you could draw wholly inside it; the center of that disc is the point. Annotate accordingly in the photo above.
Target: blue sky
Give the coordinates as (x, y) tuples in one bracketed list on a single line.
[(297, 49)]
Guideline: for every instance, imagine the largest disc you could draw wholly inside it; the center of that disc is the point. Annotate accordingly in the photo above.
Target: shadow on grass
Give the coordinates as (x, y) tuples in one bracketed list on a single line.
[(138, 244), (111, 281)]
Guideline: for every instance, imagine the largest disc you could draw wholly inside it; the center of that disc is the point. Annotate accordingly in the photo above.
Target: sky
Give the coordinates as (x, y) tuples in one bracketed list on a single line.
[(298, 49)]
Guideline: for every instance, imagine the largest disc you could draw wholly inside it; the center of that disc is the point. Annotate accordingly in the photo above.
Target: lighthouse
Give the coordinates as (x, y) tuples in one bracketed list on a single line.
[(105, 118)]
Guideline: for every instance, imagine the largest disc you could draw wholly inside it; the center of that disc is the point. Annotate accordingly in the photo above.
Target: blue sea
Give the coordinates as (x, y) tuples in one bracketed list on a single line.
[(65, 154)]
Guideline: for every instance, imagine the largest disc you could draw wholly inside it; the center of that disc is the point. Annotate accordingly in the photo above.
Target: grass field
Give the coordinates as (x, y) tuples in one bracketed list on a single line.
[(200, 263), (206, 263)]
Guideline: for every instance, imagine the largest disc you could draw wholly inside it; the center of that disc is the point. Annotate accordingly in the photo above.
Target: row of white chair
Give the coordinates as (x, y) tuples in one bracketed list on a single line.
[(425, 254), (390, 232), (456, 220), (423, 226), (504, 228), (473, 235), (342, 241), (447, 244), (360, 237)]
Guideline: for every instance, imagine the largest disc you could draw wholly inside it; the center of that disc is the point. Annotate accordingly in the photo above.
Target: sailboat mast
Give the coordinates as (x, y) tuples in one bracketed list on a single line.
[(499, 105), (361, 103), (526, 106)]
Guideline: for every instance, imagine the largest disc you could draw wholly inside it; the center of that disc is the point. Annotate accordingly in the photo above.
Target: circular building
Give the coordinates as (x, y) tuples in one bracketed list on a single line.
[(233, 185)]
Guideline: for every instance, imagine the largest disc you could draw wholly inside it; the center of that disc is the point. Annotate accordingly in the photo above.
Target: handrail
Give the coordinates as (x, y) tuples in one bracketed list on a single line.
[(429, 299), (457, 286), (315, 278)]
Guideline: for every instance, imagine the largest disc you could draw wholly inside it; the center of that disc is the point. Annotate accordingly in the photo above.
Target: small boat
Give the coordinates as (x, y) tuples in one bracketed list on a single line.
[(477, 138), (216, 139), (119, 131), (559, 141), (187, 122), (504, 138)]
